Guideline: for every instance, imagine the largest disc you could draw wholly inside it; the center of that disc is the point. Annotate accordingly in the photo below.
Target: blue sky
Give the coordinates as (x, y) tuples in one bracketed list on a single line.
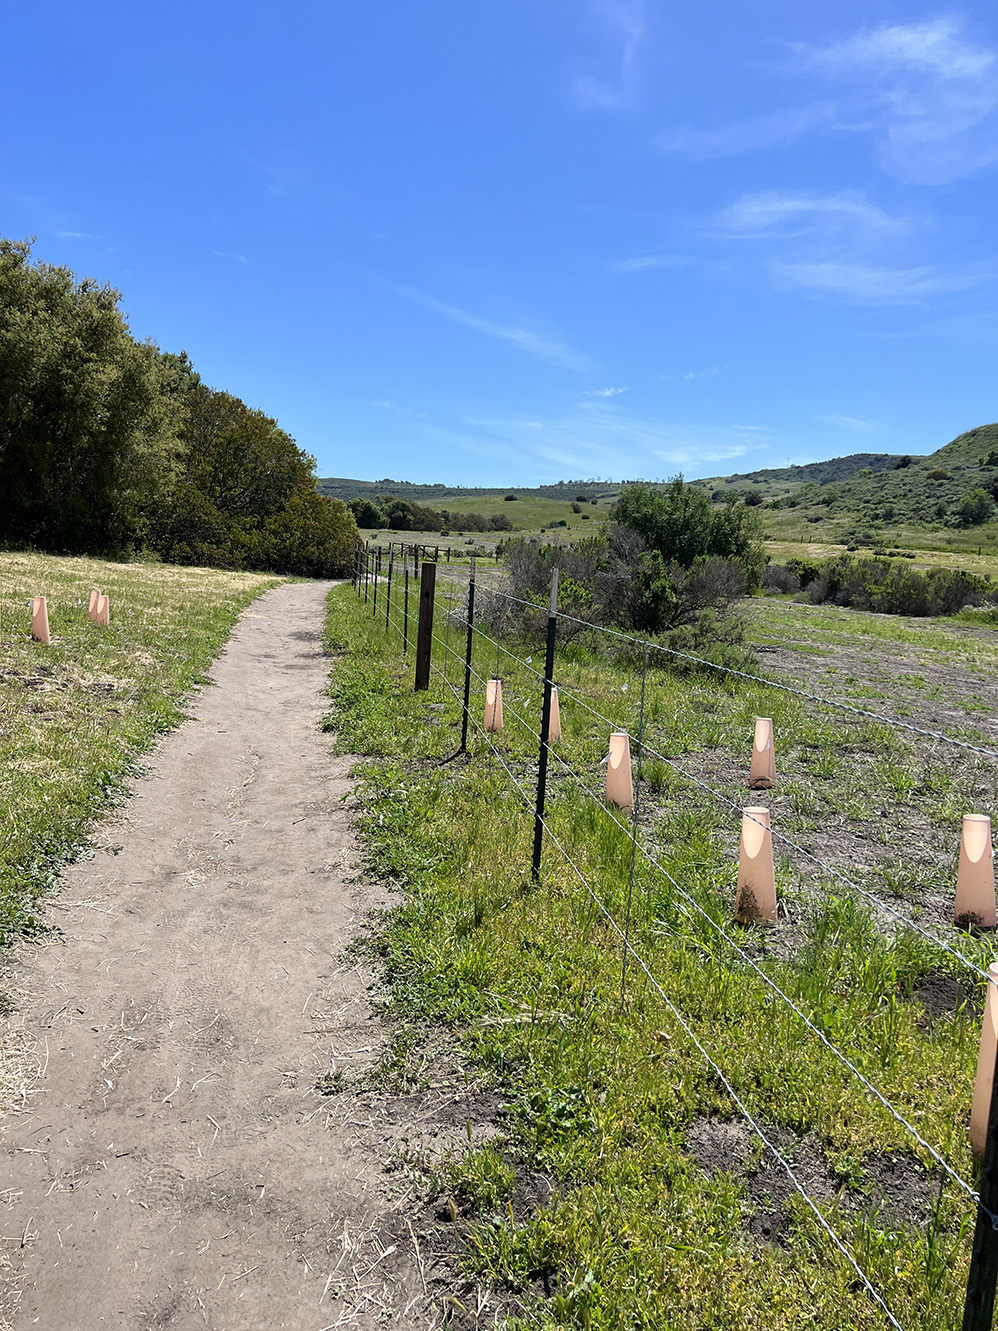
[(498, 243)]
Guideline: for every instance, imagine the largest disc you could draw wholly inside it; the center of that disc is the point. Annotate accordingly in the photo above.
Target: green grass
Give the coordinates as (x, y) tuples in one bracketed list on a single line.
[(76, 714), (602, 1094)]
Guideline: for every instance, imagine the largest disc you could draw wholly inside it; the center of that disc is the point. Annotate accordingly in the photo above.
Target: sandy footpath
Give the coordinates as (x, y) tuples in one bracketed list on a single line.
[(173, 1165)]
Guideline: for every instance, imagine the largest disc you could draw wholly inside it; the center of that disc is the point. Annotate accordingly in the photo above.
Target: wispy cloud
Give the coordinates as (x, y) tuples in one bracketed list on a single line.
[(604, 392), (773, 130), (874, 285), (652, 261), (929, 92), (710, 373), (926, 94), (767, 213), (542, 345), (236, 258), (599, 438), (608, 440), (625, 22), (840, 246), (850, 423), (76, 235)]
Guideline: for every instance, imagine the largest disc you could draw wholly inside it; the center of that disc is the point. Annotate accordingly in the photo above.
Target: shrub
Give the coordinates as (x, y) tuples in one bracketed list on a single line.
[(616, 580), (976, 506), (893, 589), (779, 578), (805, 570), (508, 499)]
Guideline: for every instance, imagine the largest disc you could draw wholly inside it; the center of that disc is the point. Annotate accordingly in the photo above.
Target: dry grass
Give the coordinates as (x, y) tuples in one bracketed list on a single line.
[(74, 715)]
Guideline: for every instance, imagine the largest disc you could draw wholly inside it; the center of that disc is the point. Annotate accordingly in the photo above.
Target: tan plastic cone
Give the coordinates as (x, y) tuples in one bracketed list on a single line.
[(554, 725), (493, 704), (619, 786), (40, 620), (975, 879), (755, 901), (985, 1066), (762, 772), (94, 598), (103, 615)]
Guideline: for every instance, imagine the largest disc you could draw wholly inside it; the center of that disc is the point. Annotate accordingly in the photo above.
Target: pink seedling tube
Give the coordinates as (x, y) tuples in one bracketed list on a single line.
[(755, 901), (762, 772), (974, 907), (619, 785), (554, 725), (40, 620), (493, 704)]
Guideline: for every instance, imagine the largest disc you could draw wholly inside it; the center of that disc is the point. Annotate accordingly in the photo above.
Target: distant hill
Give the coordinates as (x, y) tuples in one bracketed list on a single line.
[(338, 487), (837, 469), (860, 498)]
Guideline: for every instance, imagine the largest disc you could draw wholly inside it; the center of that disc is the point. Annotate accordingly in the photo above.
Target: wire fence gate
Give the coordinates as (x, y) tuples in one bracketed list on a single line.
[(454, 603)]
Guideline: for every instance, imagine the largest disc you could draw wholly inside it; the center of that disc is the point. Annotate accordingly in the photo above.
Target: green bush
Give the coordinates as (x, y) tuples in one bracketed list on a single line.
[(894, 589)]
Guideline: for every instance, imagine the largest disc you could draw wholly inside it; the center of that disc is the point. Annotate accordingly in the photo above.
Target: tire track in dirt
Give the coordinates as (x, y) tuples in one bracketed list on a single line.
[(173, 1165)]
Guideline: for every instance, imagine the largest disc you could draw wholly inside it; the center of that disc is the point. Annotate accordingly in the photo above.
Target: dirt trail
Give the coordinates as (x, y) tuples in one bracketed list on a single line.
[(174, 1166)]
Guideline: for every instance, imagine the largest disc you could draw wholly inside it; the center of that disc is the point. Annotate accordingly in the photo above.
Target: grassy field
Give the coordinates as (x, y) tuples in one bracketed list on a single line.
[(940, 546), (786, 535), (622, 1188), (75, 715)]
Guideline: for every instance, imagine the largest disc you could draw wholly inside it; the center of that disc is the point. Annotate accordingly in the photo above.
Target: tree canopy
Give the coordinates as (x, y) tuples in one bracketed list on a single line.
[(108, 444)]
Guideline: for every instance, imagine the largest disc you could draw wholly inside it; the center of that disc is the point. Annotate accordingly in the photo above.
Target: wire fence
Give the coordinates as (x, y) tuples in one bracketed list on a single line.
[(452, 612)]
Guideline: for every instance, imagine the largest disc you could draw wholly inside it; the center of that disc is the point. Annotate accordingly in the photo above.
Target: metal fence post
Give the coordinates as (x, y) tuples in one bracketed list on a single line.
[(377, 571), (978, 1309), (405, 620), (634, 830), (467, 659), (424, 640), (542, 760), (388, 590), (367, 568)]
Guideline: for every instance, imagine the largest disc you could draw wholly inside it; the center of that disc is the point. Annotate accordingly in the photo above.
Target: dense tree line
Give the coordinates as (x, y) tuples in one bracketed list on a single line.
[(109, 445), (395, 514)]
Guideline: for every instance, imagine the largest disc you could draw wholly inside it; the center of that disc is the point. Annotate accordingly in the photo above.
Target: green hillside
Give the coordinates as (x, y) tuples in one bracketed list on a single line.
[(836, 469), (947, 501)]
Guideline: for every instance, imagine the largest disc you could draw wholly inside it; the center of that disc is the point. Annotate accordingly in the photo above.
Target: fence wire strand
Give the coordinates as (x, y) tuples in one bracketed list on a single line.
[(691, 902), (784, 1164), (878, 902), (755, 679)]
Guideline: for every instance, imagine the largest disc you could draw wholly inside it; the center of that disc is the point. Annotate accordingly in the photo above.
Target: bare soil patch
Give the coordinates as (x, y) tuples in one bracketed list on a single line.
[(895, 1185)]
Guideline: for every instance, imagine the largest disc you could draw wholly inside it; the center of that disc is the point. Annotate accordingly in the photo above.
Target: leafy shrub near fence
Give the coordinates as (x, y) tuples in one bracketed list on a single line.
[(880, 585)]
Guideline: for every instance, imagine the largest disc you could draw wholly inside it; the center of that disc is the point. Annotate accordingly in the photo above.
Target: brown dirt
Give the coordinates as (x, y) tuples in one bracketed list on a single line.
[(895, 1187), (171, 1164)]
